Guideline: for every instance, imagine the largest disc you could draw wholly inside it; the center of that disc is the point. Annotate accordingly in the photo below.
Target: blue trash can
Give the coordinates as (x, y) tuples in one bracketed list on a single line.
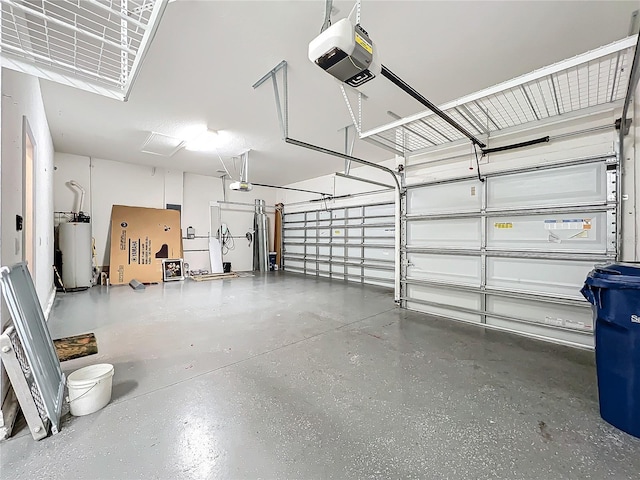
[(614, 292)]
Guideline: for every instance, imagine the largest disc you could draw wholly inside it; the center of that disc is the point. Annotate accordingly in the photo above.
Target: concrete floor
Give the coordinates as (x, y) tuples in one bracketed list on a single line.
[(290, 377)]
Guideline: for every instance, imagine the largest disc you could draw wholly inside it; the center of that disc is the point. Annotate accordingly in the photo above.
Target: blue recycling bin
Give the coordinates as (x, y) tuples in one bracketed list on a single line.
[(614, 292)]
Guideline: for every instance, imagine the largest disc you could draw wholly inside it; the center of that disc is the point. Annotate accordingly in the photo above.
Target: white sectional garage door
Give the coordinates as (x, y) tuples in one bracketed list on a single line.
[(355, 243), (512, 252)]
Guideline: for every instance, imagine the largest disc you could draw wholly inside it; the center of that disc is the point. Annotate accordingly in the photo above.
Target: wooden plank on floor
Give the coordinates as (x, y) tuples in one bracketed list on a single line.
[(213, 276), (78, 346)]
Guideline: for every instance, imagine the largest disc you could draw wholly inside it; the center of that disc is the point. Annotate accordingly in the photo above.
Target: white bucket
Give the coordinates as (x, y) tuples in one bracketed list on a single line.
[(90, 388)]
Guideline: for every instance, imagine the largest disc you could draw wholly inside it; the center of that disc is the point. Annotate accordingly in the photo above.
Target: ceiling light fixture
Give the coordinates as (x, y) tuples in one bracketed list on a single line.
[(206, 141)]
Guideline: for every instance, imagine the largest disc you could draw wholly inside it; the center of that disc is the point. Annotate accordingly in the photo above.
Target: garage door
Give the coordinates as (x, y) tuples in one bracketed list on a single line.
[(355, 243), (512, 252)]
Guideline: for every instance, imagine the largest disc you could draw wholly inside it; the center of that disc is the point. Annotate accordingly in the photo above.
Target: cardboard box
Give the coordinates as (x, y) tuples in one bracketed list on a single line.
[(140, 239)]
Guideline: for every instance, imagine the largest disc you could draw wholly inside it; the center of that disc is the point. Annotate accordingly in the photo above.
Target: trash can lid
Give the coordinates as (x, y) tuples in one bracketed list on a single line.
[(615, 275)]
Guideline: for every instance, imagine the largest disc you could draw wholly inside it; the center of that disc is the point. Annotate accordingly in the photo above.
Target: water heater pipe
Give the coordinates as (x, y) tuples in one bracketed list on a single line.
[(75, 184)]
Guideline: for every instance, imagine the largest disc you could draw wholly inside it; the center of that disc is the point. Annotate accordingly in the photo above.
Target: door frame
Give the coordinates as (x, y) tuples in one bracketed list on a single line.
[(29, 223)]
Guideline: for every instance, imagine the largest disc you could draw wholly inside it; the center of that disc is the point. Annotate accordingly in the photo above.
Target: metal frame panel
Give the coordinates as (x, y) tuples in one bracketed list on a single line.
[(28, 319), (27, 393)]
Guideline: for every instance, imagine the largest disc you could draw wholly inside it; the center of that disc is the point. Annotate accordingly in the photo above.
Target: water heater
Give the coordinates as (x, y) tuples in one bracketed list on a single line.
[(74, 239)]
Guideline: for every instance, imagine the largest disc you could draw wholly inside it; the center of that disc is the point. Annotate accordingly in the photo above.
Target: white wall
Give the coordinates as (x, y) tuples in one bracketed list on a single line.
[(21, 97), (109, 183), (66, 168), (338, 186), (173, 187), (199, 191), (118, 183)]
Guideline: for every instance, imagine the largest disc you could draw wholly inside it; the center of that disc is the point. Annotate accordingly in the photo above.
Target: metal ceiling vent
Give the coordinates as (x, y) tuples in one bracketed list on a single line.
[(163, 145), (94, 45)]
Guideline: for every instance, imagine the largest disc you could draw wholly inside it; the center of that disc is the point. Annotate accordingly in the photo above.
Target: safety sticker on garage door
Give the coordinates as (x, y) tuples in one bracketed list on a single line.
[(568, 224), (503, 225)]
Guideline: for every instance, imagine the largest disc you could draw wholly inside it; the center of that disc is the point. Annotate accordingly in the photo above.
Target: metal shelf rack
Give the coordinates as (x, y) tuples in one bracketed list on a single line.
[(595, 78), (95, 45)]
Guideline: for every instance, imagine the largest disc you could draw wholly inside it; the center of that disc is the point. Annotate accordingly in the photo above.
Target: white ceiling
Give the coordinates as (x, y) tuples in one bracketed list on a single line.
[(207, 54)]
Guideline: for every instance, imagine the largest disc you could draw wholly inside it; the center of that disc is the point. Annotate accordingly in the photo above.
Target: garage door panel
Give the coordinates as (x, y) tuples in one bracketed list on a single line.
[(577, 184), (444, 296), (545, 313), (354, 270), (352, 235), (447, 233), (324, 235), (330, 239), (355, 212), (444, 312), (461, 270), (582, 232), (379, 273), (338, 214), (297, 249), (381, 241), (337, 235), (323, 215), (379, 232), (372, 253), (295, 218), (445, 198), (295, 264), (377, 210), (380, 235), (552, 277), (541, 331), (525, 255), (294, 225), (294, 235)]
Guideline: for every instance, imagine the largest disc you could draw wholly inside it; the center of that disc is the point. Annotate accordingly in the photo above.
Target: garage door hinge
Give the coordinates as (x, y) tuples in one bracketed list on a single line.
[(627, 125)]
